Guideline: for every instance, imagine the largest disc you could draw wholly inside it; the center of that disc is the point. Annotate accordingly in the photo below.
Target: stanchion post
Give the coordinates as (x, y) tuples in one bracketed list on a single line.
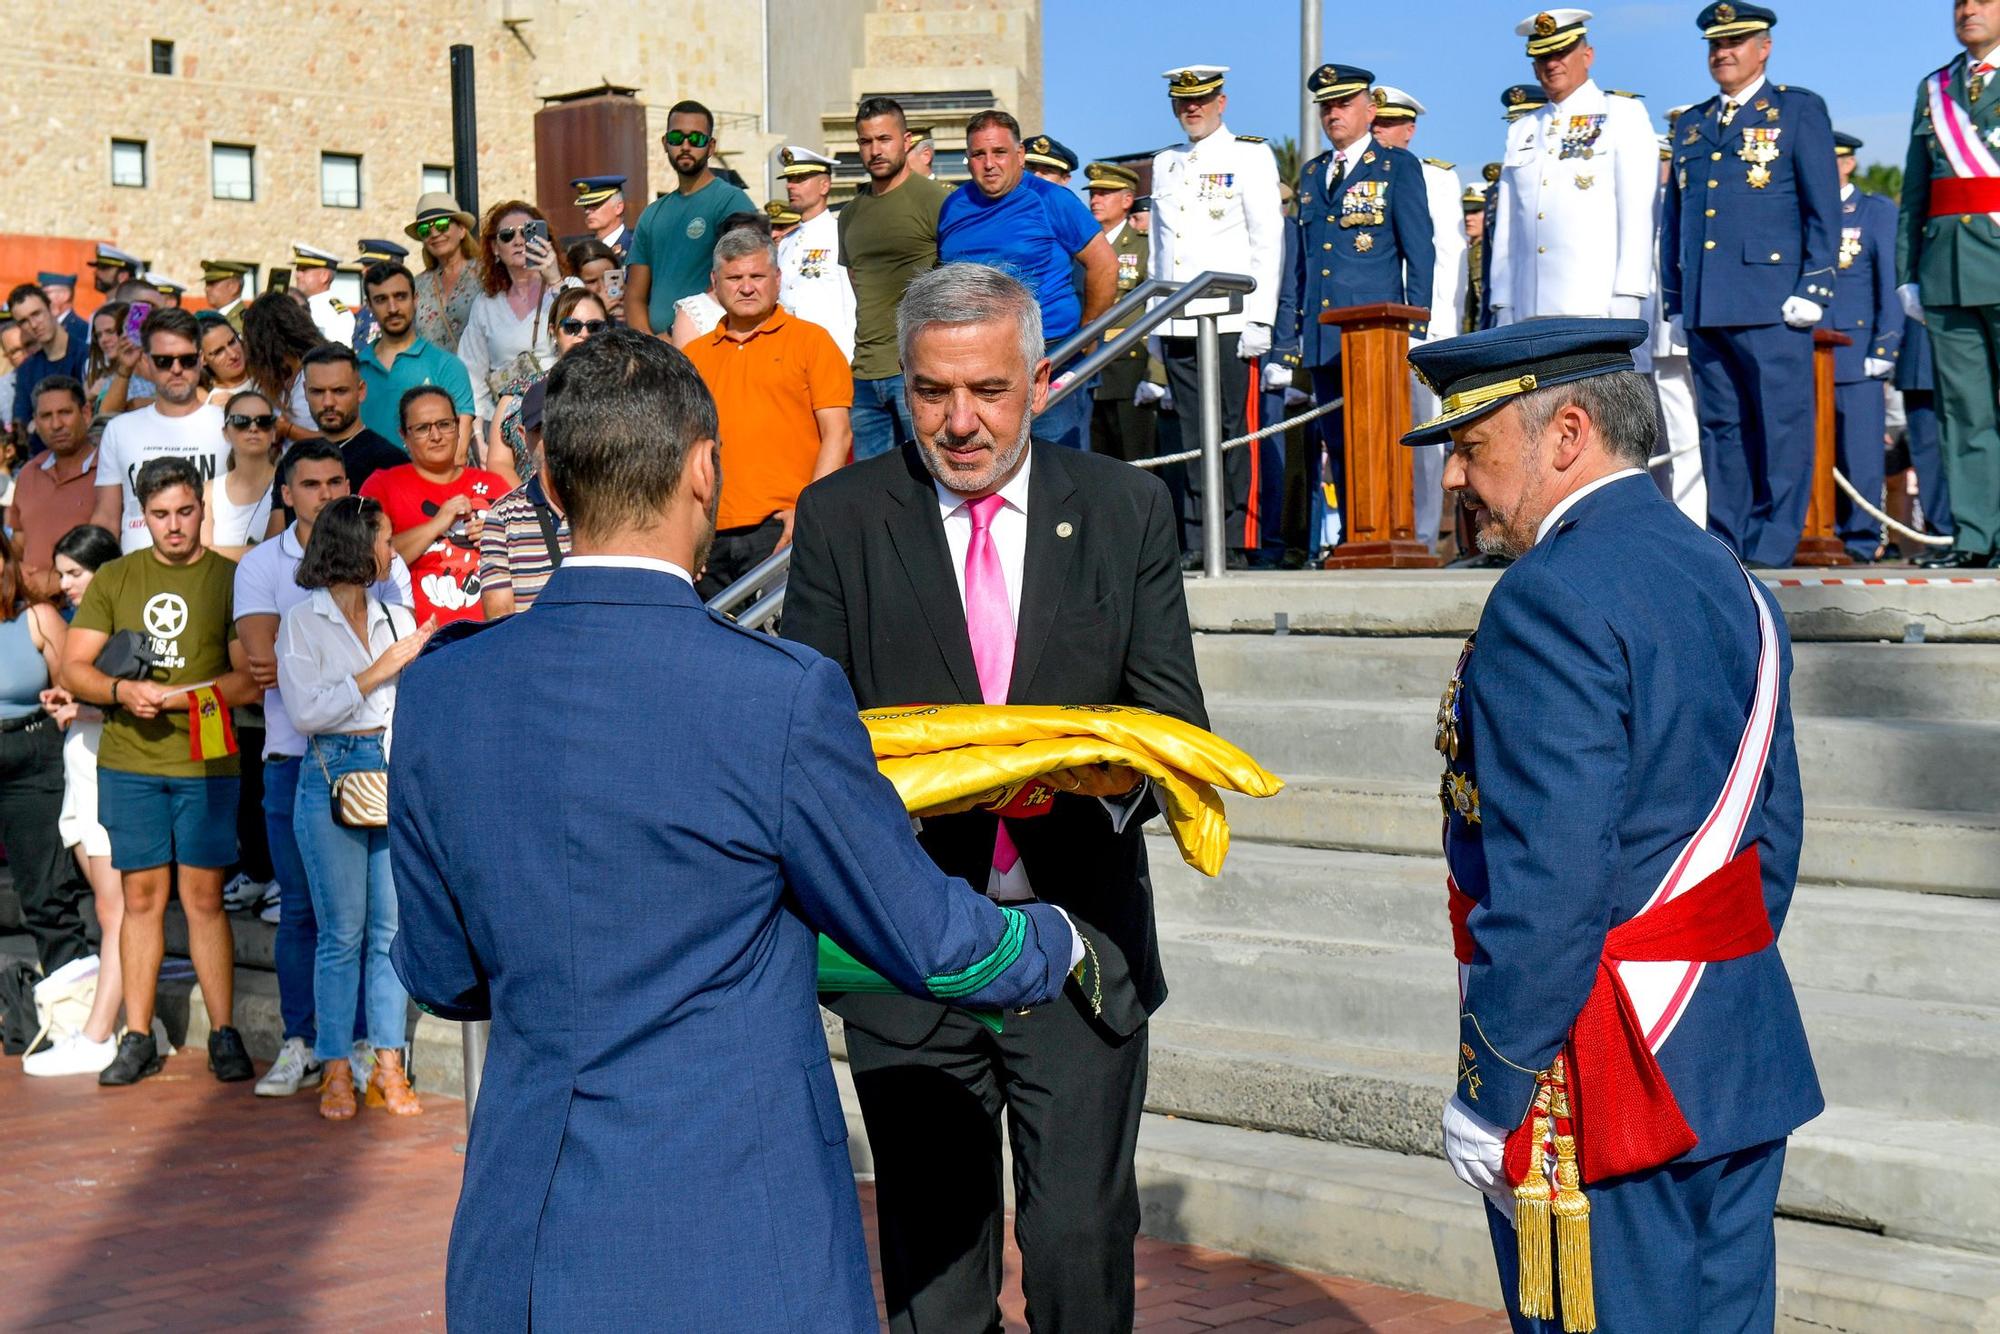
[(1378, 518), (1819, 545), (473, 1034), (1208, 365)]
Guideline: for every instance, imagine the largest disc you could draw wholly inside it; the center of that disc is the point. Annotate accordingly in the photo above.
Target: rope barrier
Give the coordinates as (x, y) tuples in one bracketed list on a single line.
[(1926, 538), (1190, 455)]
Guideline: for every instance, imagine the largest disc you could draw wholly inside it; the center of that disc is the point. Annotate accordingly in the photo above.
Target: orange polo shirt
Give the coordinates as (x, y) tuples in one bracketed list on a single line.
[(766, 389)]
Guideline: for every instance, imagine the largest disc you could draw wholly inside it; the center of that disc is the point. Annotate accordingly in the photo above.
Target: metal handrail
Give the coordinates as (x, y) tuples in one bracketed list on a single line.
[(1121, 310), (758, 578), (1180, 295)]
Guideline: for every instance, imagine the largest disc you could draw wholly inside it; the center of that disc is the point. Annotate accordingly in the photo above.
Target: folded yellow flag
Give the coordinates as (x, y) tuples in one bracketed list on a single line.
[(944, 753)]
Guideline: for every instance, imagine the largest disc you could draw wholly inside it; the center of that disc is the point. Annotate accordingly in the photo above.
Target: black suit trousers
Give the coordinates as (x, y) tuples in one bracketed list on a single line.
[(1184, 378), (1072, 1095)]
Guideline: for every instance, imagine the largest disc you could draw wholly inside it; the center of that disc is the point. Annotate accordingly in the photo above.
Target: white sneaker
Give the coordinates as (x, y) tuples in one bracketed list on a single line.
[(242, 892), (270, 911), (70, 1054), (295, 1065)]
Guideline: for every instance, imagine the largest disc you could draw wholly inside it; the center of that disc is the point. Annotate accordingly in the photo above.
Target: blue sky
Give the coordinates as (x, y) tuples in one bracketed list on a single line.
[(1101, 61)]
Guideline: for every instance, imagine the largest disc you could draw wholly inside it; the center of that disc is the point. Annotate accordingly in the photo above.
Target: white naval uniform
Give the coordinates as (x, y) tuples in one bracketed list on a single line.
[(1680, 479), (1570, 233), (1216, 206), (1448, 279), (334, 320), (812, 283)]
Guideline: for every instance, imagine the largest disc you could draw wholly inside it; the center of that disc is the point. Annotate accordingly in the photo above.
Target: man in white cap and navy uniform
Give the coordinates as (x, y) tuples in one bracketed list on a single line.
[(1216, 206), (602, 199), (812, 283), (312, 278), (1396, 115), (1574, 233)]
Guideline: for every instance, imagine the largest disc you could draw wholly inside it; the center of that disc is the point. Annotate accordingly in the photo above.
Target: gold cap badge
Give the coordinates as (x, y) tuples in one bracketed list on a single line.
[(1545, 25)]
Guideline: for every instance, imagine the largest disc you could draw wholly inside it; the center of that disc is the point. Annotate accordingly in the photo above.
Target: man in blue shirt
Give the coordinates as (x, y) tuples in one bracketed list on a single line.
[(57, 350), (400, 360), (1033, 230)]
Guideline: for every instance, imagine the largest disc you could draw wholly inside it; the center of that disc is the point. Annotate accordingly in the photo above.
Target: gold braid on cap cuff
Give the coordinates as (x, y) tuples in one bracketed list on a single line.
[(1457, 405)]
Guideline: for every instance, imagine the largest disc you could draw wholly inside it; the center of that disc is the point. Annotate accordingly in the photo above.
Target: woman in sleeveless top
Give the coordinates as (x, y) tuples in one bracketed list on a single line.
[(237, 504)]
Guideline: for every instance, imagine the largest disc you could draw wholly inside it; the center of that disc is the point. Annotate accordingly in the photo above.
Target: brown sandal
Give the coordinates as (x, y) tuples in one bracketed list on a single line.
[(389, 1087), (336, 1092)]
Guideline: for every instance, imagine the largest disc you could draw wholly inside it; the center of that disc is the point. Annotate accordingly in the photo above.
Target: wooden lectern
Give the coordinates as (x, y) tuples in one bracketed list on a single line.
[(1377, 512), (1819, 545)]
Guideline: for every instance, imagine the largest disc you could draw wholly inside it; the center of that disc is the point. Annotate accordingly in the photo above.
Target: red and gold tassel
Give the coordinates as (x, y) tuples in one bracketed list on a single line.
[(1572, 1215)]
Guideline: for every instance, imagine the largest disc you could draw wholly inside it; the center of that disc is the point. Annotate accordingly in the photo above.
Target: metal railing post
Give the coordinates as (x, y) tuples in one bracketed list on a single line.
[(1208, 365), (473, 1035)]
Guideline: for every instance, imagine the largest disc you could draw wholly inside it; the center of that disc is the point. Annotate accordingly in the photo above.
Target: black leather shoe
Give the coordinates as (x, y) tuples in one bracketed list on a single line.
[(1861, 556), (1952, 558), (227, 1058), (137, 1057)]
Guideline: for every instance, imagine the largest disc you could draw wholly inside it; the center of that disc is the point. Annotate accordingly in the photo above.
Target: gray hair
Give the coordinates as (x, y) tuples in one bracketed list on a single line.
[(965, 293), (1620, 405), (739, 242)]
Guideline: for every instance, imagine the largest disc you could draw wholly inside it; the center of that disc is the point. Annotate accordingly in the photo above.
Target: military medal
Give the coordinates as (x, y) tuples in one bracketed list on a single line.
[(1215, 190), (1585, 182), (1850, 246), (1364, 242), (1760, 150), (1580, 136), (1365, 204)]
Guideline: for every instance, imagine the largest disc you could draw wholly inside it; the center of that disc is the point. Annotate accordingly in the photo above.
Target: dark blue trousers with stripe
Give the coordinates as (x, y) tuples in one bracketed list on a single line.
[(1753, 394)]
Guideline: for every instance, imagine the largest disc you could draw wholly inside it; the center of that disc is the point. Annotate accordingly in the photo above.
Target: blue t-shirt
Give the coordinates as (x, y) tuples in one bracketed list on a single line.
[(1032, 231)]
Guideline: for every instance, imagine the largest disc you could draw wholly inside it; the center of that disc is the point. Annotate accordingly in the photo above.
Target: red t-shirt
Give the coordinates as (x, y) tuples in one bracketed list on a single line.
[(445, 578)]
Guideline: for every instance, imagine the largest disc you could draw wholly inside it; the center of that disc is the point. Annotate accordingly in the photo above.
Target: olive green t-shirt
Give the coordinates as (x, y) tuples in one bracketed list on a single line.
[(885, 241), (185, 614)]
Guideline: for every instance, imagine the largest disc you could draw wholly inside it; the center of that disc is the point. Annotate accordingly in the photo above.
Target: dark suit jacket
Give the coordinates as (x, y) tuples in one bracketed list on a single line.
[(1103, 620)]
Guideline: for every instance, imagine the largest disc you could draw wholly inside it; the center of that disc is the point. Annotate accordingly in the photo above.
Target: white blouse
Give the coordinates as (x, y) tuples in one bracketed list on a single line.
[(319, 657), (493, 338)]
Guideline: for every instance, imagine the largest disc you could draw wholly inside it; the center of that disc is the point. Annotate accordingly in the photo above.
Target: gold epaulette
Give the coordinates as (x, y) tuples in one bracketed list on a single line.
[(1440, 163)]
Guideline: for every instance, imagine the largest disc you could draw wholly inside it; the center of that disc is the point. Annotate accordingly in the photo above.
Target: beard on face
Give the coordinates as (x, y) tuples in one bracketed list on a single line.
[(1001, 462), (1494, 530)]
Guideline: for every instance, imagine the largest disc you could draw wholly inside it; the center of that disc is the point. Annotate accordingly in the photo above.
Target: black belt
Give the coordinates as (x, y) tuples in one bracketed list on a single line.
[(25, 723)]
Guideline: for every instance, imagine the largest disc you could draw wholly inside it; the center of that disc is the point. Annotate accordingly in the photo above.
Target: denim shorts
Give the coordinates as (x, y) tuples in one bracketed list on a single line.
[(154, 820)]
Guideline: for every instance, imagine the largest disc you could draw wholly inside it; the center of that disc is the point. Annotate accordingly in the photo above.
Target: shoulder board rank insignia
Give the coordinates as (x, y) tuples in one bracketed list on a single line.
[(1620, 92), (1440, 163), (1250, 138)]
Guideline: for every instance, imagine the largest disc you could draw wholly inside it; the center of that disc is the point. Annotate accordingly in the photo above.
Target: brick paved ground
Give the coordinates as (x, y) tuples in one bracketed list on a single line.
[(185, 1205)]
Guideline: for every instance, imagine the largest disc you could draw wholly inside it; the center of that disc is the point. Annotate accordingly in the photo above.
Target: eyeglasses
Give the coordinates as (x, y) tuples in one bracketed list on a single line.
[(675, 138), (247, 421), (574, 326), (431, 428), (187, 361), (435, 227)]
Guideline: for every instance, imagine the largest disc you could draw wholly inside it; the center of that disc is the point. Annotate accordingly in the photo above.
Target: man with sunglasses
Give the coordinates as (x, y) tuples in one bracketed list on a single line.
[(399, 359), (677, 233), (178, 423)]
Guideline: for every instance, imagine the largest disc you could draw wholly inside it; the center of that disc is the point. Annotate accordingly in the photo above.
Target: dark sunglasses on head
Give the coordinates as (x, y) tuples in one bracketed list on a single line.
[(675, 138), (187, 361), (248, 421), (435, 227), (574, 326)]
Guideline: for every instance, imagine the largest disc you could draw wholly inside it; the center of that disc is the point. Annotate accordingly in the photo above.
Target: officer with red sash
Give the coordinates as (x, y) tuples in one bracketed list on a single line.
[(1622, 826)]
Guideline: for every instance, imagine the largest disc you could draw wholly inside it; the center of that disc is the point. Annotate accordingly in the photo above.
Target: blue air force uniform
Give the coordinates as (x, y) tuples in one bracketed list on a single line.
[(1750, 221), (1866, 309), (1365, 236), (1642, 636)]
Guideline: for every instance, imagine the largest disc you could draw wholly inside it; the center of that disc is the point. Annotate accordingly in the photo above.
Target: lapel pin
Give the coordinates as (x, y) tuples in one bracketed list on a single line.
[(1065, 528)]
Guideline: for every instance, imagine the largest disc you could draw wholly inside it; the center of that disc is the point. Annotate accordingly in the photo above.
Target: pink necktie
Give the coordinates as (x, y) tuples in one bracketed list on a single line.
[(989, 622)]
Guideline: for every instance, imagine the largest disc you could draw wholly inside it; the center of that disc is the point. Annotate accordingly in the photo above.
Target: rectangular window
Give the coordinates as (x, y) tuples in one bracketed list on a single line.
[(163, 57), (232, 169), (436, 181), (339, 180), (128, 163)]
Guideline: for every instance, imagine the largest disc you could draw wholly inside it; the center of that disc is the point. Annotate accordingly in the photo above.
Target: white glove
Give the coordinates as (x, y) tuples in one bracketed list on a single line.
[(1277, 375), (1913, 301), (1474, 1147), (1254, 341), (1624, 307), (1148, 394), (1677, 336), (1799, 313), (1877, 368), (1167, 400), (1296, 398)]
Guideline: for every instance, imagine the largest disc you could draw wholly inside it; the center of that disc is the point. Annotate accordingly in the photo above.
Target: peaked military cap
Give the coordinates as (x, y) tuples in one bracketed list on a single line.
[(1330, 83), (1478, 372), (1522, 98), (1394, 106), (594, 190), (312, 257), (796, 160), (1143, 204), (1733, 20), (1474, 198), (782, 214), (111, 257), (1110, 176), (165, 285), (1051, 153), (1194, 80), (375, 250), (217, 270), (1844, 143), (55, 280), (1553, 31)]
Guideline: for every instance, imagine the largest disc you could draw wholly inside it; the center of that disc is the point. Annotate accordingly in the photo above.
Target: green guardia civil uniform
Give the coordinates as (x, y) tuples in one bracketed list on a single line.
[(1948, 243)]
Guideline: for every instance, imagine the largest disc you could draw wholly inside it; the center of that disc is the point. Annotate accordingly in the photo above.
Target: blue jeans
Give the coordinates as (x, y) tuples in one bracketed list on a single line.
[(354, 897), (1068, 422), (298, 929), (880, 418)]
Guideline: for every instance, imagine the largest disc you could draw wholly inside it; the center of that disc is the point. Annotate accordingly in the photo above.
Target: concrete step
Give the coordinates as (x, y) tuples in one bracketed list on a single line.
[(1940, 852), (1916, 763), (1879, 941), (1886, 1053), (1935, 681)]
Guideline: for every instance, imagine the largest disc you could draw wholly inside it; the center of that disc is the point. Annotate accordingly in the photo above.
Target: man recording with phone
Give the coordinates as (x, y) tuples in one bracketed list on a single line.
[(676, 235)]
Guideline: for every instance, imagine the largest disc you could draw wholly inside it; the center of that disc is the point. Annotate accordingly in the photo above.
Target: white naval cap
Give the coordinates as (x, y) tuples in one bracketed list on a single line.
[(1392, 103), (312, 257), (1193, 80), (798, 160), (1552, 31)]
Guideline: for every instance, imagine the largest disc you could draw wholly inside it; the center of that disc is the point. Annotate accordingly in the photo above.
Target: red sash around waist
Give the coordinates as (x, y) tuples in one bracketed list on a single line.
[(1626, 1117), (1964, 194)]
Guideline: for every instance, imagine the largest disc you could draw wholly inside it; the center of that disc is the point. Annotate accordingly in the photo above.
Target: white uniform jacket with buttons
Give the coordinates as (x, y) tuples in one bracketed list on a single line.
[(812, 284), (1216, 206), (1442, 189)]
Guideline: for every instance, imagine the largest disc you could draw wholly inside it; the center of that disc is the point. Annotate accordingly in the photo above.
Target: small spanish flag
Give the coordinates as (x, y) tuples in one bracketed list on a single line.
[(210, 733)]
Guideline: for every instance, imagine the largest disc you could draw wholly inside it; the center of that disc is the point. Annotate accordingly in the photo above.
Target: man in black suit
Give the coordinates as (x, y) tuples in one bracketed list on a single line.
[(977, 565)]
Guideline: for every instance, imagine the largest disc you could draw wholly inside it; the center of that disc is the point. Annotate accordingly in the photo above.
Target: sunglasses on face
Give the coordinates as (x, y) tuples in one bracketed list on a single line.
[(675, 138), (435, 227), (574, 326), (248, 421), (506, 234), (187, 361)]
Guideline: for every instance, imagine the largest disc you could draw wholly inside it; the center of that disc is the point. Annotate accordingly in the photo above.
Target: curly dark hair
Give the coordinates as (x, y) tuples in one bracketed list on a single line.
[(277, 334), (341, 549)]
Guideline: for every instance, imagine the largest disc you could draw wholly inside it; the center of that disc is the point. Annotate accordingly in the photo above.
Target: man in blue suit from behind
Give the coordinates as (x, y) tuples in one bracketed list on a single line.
[(1622, 828), (659, 1143), (1867, 310)]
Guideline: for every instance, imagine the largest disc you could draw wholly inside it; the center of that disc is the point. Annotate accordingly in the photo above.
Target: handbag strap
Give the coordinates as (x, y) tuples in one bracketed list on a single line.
[(545, 515), (389, 614)]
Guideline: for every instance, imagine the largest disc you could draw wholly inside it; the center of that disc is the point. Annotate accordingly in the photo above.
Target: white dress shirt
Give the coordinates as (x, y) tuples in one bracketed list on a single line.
[(1742, 99), (1569, 501), (1351, 155), (319, 657), (628, 563)]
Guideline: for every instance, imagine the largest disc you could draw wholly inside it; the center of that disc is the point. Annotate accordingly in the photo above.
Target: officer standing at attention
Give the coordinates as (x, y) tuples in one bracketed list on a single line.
[(1119, 425), (1574, 232), (1396, 115), (1365, 235), (1050, 159), (1473, 203), (1216, 206), (1680, 477), (812, 284), (1865, 308), (222, 285), (1622, 831), (1748, 235), (312, 277), (602, 199), (1948, 258)]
